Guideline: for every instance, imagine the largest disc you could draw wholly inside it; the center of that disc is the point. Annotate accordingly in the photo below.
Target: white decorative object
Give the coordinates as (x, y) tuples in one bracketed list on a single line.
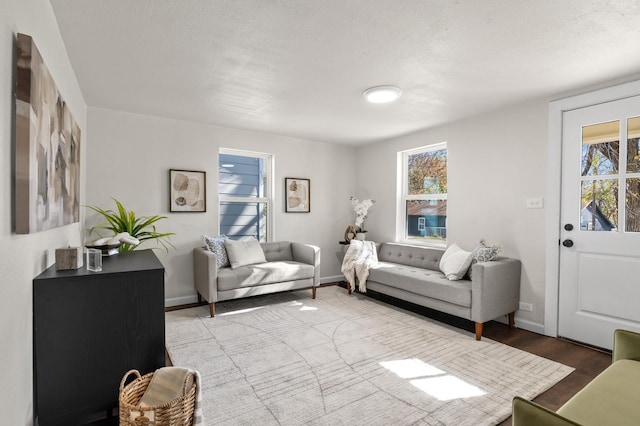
[(361, 236), (361, 208)]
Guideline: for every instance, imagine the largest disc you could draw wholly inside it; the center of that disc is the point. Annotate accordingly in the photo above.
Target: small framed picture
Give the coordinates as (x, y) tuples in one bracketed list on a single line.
[(297, 195), (187, 191)]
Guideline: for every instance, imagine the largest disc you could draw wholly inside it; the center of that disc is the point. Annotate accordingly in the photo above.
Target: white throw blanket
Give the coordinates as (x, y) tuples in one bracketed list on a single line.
[(360, 256), (166, 385)]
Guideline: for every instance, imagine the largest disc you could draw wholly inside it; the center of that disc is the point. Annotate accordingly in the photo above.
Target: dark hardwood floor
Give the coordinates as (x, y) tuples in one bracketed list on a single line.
[(588, 362)]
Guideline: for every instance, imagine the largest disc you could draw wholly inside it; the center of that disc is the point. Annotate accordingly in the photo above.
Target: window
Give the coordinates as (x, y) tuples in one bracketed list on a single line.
[(244, 192), (424, 194)]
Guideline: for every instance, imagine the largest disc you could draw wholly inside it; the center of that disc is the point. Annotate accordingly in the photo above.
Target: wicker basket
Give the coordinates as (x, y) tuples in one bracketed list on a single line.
[(178, 412)]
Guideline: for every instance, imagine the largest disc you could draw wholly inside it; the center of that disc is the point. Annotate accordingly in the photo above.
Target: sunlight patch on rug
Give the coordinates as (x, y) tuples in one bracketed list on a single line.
[(287, 359)]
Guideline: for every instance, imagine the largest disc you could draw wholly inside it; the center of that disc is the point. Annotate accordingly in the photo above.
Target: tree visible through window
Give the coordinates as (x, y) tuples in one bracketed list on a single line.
[(610, 170), (244, 195), (425, 193)]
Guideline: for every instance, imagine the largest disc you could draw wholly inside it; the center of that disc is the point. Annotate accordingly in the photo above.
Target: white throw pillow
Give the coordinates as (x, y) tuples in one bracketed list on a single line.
[(455, 262), (244, 252)]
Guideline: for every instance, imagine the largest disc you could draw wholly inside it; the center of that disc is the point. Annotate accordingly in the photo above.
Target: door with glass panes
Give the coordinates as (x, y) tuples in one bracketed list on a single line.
[(599, 288)]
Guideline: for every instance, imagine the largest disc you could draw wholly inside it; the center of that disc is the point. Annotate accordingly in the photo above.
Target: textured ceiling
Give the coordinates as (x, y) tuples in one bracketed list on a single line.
[(298, 68)]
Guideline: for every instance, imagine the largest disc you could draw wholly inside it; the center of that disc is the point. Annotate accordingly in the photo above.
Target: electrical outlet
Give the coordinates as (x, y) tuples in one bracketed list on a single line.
[(535, 203), (523, 306)]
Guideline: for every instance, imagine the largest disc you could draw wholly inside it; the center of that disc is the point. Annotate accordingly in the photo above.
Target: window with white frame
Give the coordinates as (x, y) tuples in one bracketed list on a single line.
[(245, 193), (424, 194)]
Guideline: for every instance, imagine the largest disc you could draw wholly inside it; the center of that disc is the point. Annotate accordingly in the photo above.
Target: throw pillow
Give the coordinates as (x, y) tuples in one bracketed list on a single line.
[(216, 246), (484, 253), (244, 252), (455, 262)]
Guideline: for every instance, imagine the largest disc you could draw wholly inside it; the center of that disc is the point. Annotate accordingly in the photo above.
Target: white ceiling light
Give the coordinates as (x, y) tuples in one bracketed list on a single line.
[(382, 94)]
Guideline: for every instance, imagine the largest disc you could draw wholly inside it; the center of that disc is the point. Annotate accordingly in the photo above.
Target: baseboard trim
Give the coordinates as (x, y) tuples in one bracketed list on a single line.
[(530, 326), (178, 301), (333, 279)]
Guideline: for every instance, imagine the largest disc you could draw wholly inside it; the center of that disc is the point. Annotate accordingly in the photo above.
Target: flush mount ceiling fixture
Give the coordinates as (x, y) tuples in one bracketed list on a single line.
[(382, 94)]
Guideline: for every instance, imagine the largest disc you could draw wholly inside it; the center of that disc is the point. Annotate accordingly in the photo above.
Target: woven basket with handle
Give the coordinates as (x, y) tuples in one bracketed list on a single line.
[(178, 412)]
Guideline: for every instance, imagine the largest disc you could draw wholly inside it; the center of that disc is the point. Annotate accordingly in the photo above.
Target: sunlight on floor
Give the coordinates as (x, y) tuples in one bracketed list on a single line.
[(411, 368), (240, 311), (303, 307), (431, 380)]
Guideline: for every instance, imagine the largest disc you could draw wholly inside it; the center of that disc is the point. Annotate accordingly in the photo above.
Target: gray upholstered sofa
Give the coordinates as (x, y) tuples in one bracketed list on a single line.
[(289, 266), (412, 273)]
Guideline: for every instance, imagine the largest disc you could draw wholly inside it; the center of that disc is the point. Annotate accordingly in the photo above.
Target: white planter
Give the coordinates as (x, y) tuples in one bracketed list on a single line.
[(361, 236)]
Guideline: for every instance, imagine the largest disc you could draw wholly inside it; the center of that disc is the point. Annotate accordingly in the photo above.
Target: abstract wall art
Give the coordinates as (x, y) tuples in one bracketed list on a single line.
[(187, 191), (47, 148), (298, 195)]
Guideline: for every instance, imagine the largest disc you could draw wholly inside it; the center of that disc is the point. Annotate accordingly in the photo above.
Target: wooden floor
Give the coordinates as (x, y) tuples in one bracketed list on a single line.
[(587, 362)]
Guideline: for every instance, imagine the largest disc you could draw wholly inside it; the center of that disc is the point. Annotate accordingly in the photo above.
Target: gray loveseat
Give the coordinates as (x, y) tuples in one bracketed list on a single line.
[(289, 266), (412, 273)]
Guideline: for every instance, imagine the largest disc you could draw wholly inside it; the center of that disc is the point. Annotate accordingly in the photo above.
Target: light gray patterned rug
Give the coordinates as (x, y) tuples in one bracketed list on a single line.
[(286, 359)]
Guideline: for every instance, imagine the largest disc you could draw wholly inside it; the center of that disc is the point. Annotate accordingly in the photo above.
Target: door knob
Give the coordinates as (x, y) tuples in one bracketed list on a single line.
[(568, 227), (567, 243)]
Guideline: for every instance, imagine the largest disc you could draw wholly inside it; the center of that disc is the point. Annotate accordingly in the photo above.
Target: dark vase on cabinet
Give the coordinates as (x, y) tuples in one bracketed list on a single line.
[(89, 329)]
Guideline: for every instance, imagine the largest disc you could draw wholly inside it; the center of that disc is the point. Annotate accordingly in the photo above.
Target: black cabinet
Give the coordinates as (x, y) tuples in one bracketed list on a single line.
[(89, 329)]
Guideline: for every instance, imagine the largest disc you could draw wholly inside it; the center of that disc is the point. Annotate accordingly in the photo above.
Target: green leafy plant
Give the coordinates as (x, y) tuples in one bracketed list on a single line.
[(142, 228)]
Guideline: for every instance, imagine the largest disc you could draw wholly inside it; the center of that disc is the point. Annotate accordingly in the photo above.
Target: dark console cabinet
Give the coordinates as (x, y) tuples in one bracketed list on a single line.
[(89, 329)]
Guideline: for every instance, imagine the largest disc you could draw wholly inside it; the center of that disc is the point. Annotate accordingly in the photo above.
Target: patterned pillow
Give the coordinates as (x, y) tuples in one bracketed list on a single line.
[(484, 253), (216, 246)]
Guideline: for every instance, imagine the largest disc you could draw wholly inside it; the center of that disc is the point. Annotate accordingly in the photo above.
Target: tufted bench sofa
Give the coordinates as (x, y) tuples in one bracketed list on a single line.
[(412, 273), (289, 266)]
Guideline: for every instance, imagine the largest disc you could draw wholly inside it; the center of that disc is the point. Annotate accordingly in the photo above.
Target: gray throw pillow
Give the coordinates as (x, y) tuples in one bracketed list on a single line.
[(216, 246), (244, 252), (484, 253)]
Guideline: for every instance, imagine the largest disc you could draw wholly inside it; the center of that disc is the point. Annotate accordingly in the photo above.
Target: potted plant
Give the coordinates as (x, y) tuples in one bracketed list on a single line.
[(140, 228), (361, 208)]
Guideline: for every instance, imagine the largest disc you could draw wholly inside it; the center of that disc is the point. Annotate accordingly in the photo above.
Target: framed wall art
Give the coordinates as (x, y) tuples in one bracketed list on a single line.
[(47, 147), (297, 195), (187, 191)]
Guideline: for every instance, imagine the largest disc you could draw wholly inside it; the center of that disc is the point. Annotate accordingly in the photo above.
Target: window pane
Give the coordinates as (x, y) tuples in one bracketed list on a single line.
[(632, 203), (240, 176), (633, 150), (241, 220), (427, 220), (600, 149), (427, 172), (599, 205)]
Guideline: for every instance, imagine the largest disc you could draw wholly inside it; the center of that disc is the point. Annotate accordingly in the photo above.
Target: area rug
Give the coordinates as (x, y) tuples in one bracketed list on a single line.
[(286, 359)]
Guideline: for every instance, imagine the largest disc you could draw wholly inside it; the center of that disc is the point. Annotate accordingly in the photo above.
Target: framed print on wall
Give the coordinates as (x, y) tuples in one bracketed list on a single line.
[(187, 191), (297, 195), (47, 147)]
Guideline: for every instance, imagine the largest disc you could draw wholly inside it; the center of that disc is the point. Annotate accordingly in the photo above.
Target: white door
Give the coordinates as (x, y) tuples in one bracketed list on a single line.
[(599, 288)]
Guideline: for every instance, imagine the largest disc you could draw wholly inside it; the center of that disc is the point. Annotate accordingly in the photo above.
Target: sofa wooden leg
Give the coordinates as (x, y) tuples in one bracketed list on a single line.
[(479, 326), (212, 309), (313, 292), (512, 320)]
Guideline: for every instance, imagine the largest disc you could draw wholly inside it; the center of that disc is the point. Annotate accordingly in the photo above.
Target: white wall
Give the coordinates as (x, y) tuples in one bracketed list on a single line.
[(496, 161), (26, 256), (131, 155)]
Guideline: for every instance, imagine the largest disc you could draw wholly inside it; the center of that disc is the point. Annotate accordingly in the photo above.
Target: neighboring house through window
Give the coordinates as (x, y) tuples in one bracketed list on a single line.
[(245, 193), (423, 204)]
